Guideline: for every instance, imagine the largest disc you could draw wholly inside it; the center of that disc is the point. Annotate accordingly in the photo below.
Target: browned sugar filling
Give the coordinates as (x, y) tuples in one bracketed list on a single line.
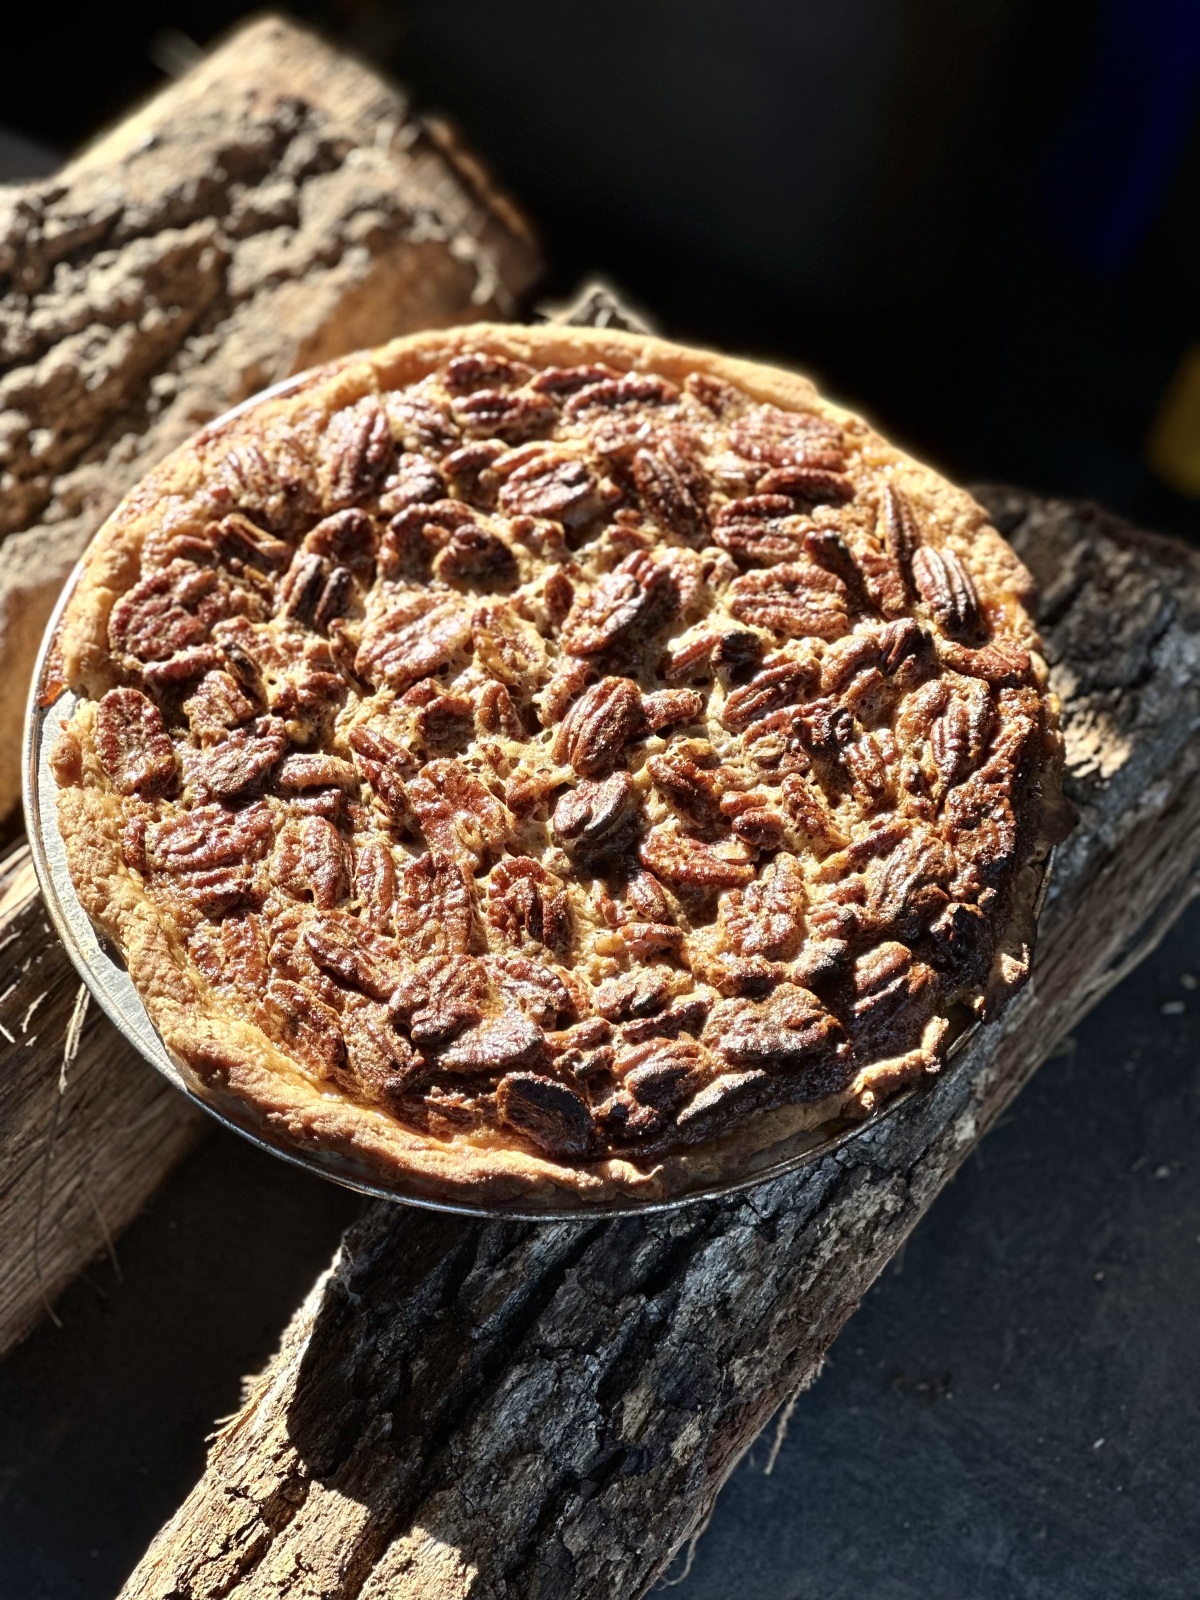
[(570, 755)]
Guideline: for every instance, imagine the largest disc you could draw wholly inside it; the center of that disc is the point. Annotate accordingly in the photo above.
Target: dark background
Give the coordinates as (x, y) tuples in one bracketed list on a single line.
[(979, 222)]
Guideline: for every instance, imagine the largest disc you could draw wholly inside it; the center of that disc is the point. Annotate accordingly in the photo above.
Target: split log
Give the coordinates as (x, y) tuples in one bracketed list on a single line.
[(88, 1130), (277, 206), (463, 1410)]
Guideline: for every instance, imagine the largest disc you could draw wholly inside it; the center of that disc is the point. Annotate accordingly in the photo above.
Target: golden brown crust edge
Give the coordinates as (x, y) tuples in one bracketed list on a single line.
[(235, 1065)]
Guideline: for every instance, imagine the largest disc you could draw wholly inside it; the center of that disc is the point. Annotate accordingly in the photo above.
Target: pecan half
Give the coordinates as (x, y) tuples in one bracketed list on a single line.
[(383, 764), (240, 543), (667, 707), (569, 380), (525, 901), (312, 859), (546, 1112), (791, 1033), (208, 855), (132, 742), (457, 814), (634, 994), (415, 479), (470, 471), (901, 535), (375, 883), (441, 997), (767, 917), (681, 859), (495, 713), (501, 1044), (895, 996), (384, 1066), (346, 538), (884, 559), (301, 771), (421, 422), (761, 530), (568, 679), (1003, 663), (415, 532), (779, 438), (495, 414), (358, 449), (769, 690), (476, 557), (798, 601), (754, 819), (685, 1016), (630, 390), (537, 989), (887, 647), (242, 761), (508, 647), (689, 786), (306, 1026), (171, 611), (810, 485), (595, 813), (599, 725), (232, 954), (947, 589), (275, 492), (433, 906), (217, 705), (551, 484), (670, 491), (353, 955), (413, 633), (656, 1079), (477, 370), (636, 597), (302, 586)]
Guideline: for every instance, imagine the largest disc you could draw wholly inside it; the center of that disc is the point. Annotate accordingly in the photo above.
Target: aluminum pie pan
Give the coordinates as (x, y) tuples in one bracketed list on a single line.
[(102, 970)]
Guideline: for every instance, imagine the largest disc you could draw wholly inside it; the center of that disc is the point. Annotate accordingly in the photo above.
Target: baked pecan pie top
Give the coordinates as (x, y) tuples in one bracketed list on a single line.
[(570, 757)]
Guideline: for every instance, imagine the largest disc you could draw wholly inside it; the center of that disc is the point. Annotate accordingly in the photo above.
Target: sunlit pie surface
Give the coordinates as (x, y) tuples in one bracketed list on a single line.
[(553, 764)]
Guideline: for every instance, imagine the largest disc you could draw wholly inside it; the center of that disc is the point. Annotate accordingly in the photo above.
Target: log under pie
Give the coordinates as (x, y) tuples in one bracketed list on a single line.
[(552, 764)]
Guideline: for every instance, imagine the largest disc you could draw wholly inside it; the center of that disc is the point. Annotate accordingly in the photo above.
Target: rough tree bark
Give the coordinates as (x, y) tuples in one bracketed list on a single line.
[(87, 1129), (548, 1411), (277, 206)]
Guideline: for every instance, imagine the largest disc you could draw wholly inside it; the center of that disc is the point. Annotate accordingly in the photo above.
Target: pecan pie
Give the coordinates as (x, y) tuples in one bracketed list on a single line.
[(555, 764)]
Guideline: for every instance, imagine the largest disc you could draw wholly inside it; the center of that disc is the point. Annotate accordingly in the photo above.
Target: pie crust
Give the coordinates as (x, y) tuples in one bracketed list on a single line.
[(551, 765)]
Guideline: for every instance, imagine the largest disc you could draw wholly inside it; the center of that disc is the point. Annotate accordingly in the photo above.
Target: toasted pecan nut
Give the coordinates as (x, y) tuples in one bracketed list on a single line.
[(546, 1112), (796, 600), (132, 742), (526, 901), (947, 589), (594, 812), (599, 725)]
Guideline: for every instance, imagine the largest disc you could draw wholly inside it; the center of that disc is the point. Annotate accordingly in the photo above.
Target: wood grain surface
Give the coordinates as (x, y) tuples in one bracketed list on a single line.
[(503, 1409)]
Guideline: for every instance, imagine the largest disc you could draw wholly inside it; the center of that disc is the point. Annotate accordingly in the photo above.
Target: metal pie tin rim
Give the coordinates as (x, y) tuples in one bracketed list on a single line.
[(110, 984)]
